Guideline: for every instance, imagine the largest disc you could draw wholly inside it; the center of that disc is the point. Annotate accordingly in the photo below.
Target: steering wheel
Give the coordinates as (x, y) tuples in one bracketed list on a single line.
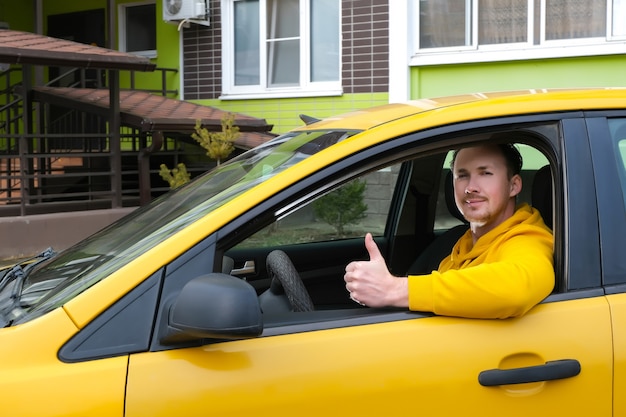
[(281, 271)]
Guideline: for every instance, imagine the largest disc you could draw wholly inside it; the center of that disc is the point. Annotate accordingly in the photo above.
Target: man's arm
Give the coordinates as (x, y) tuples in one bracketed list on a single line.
[(516, 276)]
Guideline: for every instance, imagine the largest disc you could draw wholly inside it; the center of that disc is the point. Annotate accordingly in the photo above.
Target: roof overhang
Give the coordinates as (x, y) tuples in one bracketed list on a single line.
[(151, 113), (18, 47)]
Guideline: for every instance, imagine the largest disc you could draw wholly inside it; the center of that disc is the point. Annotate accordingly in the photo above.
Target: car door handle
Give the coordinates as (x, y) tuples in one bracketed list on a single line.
[(565, 368), (248, 268)]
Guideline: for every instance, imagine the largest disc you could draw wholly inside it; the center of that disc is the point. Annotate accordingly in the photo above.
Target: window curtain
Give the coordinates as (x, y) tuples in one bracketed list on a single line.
[(573, 19), (502, 21), (444, 23)]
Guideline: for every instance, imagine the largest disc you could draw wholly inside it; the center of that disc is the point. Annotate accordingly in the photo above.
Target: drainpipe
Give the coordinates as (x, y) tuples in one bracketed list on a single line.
[(110, 42), (38, 18), (24, 144), (144, 167), (114, 138)]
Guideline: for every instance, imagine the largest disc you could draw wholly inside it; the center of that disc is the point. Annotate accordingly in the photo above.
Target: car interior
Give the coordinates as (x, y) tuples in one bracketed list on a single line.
[(296, 263)]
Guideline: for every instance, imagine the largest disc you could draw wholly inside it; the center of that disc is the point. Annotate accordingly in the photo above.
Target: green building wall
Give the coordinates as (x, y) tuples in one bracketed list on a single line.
[(597, 71), (428, 81), (435, 81), (284, 113), (168, 44)]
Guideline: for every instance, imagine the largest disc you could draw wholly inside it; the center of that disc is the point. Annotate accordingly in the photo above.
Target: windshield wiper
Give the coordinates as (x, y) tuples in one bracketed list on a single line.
[(6, 303), (16, 276), (10, 275)]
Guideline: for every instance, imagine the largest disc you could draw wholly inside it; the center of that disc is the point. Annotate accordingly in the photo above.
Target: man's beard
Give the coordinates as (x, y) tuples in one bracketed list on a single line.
[(476, 224), (478, 221)]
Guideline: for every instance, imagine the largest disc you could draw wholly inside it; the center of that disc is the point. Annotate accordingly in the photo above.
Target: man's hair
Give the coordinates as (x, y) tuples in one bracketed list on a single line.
[(511, 155)]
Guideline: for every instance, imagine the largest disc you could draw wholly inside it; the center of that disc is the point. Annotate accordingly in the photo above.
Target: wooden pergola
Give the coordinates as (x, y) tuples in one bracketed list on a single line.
[(137, 109)]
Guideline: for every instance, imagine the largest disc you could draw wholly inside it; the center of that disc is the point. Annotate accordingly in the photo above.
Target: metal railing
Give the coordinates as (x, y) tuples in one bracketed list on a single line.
[(164, 91), (61, 172), (66, 165)]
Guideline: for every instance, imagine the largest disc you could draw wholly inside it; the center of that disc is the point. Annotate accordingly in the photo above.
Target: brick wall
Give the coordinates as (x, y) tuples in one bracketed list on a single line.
[(202, 57), (365, 46), (365, 51)]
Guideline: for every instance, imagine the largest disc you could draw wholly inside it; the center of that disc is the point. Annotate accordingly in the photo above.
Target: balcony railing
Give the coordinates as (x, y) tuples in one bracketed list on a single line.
[(72, 163), (62, 172)]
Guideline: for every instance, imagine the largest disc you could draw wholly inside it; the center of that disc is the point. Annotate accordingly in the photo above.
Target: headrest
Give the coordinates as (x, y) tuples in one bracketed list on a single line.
[(541, 194), (449, 194)]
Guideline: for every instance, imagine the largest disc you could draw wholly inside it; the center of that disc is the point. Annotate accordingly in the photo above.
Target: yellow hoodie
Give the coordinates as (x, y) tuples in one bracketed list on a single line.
[(507, 272)]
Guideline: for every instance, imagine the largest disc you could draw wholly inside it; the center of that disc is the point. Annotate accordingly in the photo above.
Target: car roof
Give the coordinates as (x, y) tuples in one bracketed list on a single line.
[(478, 105)]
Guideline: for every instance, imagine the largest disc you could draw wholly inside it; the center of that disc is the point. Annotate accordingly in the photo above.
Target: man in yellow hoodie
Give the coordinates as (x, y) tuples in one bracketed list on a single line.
[(501, 267)]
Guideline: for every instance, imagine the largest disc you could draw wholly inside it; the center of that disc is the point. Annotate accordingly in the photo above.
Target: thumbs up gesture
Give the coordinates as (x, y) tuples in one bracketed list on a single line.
[(370, 283)]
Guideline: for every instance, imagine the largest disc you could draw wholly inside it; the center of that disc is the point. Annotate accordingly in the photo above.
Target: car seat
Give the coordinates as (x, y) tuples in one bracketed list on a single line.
[(429, 259), (542, 194)]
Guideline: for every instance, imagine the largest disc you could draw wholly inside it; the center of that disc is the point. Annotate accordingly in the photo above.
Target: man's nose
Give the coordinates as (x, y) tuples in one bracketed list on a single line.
[(471, 186)]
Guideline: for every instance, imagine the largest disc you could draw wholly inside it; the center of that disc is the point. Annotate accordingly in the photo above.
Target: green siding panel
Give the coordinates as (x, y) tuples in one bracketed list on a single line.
[(284, 113), (601, 71)]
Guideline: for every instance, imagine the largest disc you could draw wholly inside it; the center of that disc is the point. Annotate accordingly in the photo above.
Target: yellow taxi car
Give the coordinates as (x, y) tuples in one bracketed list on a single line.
[(182, 308)]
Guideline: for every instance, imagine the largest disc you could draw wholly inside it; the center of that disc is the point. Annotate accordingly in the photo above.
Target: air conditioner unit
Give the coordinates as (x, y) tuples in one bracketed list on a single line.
[(179, 10)]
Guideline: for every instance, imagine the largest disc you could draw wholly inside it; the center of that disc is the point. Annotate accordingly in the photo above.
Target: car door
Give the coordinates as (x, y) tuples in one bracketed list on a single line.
[(403, 364)]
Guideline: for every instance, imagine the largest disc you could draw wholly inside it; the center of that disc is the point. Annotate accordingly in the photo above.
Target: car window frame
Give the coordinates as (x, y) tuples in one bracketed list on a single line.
[(610, 200), (397, 150), (579, 218)]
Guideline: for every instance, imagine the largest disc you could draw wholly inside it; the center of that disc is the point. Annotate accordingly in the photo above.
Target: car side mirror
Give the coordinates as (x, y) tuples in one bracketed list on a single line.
[(215, 306)]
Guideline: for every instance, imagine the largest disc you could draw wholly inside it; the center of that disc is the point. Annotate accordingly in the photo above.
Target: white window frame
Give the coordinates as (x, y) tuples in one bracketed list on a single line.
[(621, 9), (306, 88), (123, 30), (474, 53)]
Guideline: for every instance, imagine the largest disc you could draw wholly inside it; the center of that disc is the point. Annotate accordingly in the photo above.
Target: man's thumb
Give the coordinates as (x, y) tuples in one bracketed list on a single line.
[(372, 248)]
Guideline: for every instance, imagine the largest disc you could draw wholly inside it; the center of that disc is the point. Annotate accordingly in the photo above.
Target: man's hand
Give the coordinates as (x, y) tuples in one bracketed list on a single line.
[(370, 283)]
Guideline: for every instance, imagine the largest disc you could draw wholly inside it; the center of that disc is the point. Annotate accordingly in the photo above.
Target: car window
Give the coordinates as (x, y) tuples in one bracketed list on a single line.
[(359, 206)]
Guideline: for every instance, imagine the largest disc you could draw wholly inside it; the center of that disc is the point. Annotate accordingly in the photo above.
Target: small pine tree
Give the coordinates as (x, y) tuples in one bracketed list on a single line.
[(176, 176), (218, 144), (342, 207)]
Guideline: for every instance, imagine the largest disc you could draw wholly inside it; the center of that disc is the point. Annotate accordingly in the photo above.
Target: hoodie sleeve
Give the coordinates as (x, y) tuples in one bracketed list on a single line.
[(512, 277)]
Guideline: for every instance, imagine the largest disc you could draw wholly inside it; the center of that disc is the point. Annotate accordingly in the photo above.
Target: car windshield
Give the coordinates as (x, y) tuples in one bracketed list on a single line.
[(55, 281)]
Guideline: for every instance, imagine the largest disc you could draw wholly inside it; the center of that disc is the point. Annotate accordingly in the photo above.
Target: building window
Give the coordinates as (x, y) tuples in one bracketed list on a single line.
[(573, 27), (137, 29), (281, 47)]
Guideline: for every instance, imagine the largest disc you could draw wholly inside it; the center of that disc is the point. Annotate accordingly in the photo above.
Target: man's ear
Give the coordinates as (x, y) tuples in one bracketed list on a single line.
[(515, 185)]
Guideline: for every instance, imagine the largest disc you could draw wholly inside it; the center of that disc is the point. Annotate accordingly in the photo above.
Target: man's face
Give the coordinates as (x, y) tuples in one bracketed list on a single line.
[(482, 189)]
